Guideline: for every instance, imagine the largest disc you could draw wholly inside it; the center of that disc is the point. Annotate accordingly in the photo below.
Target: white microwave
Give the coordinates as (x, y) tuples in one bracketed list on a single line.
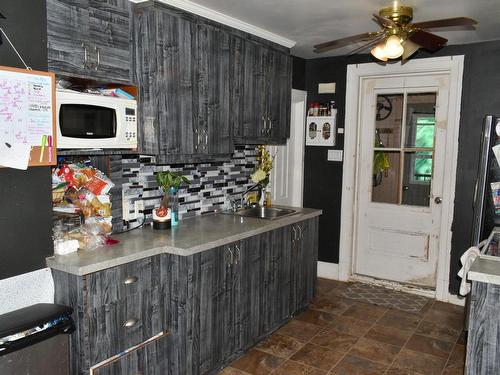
[(89, 121)]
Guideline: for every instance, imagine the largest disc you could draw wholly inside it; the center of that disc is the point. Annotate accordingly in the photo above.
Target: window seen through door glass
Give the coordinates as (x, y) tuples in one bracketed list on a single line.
[(420, 120)]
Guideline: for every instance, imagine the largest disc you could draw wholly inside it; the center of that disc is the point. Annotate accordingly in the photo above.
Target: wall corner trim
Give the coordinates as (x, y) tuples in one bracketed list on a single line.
[(214, 15)]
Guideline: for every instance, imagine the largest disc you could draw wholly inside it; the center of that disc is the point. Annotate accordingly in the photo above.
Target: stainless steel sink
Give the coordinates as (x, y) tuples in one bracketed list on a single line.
[(269, 213)]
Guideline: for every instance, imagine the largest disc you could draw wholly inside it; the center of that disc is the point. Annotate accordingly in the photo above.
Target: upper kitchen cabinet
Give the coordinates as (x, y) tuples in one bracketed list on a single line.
[(262, 94), (181, 67), (89, 39)]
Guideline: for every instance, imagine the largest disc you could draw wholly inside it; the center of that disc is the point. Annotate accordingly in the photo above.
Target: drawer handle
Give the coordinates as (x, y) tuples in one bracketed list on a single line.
[(131, 280), (131, 322)]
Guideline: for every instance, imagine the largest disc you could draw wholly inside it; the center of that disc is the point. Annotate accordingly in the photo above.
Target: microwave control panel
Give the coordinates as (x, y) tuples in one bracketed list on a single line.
[(130, 125)]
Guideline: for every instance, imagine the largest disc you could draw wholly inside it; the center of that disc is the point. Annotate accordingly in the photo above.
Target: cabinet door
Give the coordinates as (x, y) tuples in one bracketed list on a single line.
[(279, 97), (249, 279), (67, 34), (216, 322), (109, 34), (213, 131), (277, 278), (145, 76), (304, 240), (176, 82), (251, 128)]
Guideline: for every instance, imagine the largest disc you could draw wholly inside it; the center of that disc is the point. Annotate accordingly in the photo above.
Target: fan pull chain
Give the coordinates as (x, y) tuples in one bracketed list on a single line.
[(15, 50)]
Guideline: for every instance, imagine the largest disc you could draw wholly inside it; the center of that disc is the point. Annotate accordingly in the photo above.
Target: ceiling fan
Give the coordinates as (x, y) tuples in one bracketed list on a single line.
[(398, 37)]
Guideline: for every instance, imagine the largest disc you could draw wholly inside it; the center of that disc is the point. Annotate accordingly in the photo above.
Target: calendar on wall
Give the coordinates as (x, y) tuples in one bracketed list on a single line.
[(27, 114)]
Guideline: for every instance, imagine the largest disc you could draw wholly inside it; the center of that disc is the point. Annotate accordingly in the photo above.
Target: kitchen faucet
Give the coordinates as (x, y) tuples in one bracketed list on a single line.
[(233, 202)]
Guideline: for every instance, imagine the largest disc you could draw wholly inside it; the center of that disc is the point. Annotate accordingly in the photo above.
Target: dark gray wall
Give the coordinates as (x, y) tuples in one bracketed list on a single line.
[(480, 95), (25, 197), (298, 73)]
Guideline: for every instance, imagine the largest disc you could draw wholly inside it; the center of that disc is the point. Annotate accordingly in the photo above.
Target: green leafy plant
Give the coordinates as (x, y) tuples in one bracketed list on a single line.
[(167, 180)]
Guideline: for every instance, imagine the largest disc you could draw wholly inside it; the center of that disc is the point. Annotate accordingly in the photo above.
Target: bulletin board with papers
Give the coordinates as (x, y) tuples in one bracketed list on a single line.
[(27, 118)]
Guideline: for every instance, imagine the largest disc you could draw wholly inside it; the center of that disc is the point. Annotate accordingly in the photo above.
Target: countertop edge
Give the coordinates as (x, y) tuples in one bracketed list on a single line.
[(485, 271), (99, 266)]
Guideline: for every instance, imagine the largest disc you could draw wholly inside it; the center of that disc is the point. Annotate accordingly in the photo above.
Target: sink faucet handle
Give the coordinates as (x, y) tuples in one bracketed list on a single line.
[(234, 205)]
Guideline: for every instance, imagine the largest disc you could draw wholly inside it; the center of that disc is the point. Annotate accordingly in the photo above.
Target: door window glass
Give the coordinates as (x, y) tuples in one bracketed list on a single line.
[(404, 148)]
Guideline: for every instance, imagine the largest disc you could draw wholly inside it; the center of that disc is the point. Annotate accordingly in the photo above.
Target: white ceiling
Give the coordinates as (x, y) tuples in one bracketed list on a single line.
[(309, 22)]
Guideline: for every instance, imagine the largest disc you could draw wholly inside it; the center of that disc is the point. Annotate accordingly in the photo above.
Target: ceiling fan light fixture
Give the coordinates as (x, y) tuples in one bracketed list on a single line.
[(393, 48), (378, 52)]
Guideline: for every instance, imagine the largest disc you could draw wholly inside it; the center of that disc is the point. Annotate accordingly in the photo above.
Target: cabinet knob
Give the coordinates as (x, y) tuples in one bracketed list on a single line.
[(130, 280), (131, 322)]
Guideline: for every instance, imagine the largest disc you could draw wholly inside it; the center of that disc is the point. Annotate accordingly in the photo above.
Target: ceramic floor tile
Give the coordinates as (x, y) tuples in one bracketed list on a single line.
[(458, 354), (350, 326), (317, 356), (437, 331), (448, 307), (279, 345), (352, 365), (429, 345), (300, 330), (295, 368), (320, 318), (445, 318), (409, 361), (257, 362), (336, 305), (375, 351), (232, 371), (400, 320), (454, 368), (363, 311), (424, 310), (334, 340), (388, 335)]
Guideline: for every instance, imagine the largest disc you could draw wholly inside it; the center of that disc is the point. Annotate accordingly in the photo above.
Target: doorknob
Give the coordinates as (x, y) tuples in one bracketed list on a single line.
[(438, 200), (405, 188)]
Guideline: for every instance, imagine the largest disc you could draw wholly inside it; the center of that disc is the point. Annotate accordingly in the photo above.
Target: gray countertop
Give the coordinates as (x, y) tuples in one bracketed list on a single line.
[(192, 236), (485, 270)]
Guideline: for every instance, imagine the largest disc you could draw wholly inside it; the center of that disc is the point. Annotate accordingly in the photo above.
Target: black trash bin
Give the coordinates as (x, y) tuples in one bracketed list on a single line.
[(34, 340)]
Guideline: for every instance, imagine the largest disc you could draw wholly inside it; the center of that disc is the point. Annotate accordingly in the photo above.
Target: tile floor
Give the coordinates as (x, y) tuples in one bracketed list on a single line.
[(337, 335)]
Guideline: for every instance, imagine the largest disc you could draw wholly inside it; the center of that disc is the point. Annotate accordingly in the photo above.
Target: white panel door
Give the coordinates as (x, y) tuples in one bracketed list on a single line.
[(400, 177), (287, 173)]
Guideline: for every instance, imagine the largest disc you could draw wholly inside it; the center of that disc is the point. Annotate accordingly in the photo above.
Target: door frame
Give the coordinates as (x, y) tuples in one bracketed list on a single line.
[(356, 74)]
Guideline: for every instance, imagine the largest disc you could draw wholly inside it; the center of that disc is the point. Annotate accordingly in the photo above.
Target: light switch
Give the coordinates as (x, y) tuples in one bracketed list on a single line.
[(335, 155), (326, 88)]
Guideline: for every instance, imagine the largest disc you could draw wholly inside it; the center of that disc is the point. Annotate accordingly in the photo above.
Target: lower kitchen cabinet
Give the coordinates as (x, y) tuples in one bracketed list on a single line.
[(213, 305), (483, 339)]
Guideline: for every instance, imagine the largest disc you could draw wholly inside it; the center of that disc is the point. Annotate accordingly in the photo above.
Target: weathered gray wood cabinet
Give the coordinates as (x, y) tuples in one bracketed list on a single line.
[(89, 39), (215, 304), (483, 340), (181, 67), (264, 99), (199, 82)]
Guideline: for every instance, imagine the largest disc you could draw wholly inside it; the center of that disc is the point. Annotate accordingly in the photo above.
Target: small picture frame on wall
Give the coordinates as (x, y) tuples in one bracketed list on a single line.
[(321, 130)]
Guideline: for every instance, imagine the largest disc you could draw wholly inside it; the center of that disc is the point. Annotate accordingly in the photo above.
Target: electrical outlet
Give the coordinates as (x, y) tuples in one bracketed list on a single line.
[(139, 206)]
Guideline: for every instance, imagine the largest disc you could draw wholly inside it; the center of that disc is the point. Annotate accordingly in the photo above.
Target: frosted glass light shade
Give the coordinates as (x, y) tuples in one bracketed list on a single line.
[(378, 52), (393, 48)]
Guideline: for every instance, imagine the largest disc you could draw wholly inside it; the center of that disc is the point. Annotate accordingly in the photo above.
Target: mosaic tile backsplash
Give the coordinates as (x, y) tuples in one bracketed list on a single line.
[(212, 184)]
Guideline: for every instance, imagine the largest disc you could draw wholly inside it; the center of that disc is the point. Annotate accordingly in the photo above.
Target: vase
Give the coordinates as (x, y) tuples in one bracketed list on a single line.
[(173, 202)]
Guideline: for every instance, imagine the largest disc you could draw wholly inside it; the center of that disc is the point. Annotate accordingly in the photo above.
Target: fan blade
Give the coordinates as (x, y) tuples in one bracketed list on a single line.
[(447, 22), (342, 42), (2, 16), (368, 45), (431, 42), (382, 21), (409, 49)]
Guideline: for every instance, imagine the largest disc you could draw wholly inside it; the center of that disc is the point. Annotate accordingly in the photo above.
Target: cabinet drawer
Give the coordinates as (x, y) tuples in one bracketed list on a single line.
[(114, 327), (123, 308), (150, 359), (118, 283)]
